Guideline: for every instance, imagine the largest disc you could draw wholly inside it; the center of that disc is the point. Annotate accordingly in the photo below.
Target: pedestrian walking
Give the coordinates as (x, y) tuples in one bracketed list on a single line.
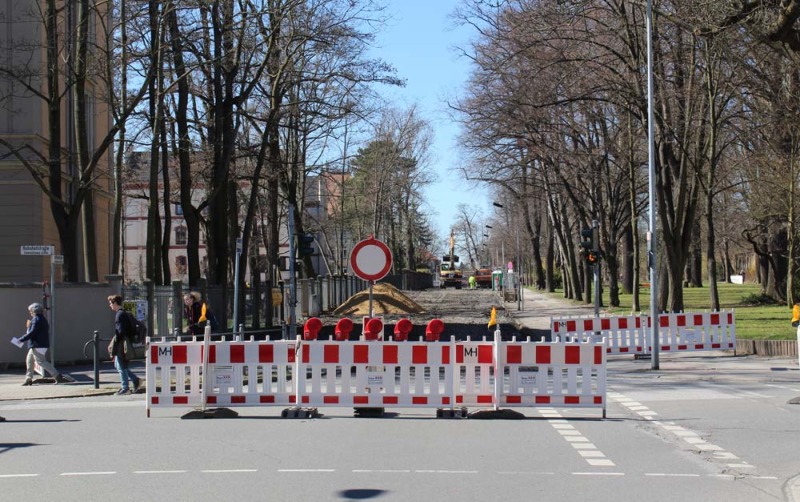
[(123, 334), (37, 338)]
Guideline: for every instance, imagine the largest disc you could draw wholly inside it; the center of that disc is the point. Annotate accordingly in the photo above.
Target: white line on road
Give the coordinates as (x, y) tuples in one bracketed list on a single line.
[(306, 470), (422, 471), (598, 473), (18, 475), (383, 471), (225, 471), (671, 475), (586, 449), (160, 472), (97, 473)]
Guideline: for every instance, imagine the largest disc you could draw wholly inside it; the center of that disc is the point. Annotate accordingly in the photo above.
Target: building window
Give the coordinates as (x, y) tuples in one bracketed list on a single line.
[(180, 236), (178, 210), (180, 265)]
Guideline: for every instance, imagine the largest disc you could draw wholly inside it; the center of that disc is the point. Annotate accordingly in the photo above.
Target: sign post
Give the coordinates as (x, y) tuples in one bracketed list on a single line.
[(371, 260), (236, 287)]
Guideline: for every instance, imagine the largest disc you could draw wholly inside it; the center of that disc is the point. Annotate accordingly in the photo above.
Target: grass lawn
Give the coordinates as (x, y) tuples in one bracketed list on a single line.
[(768, 322)]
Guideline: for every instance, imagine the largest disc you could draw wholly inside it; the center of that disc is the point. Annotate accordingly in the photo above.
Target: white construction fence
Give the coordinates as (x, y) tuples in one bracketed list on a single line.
[(380, 373)]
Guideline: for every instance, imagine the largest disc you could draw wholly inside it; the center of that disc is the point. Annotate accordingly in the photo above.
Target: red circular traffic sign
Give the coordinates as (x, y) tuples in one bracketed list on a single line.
[(371, 259)]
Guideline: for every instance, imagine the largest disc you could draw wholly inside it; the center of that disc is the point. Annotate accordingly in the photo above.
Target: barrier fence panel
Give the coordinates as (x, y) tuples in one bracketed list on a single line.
[(239, 373), (571, 374), (623, 334), (174, 374), (697, 331), (250, 373), (474, 369), (631, 334), (374, 374)]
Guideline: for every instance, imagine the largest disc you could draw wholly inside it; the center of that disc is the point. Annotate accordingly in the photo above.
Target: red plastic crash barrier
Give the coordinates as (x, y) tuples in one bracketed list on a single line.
[(402, 329), (311, 328), (434, 330), (343, 329), (374, 329)]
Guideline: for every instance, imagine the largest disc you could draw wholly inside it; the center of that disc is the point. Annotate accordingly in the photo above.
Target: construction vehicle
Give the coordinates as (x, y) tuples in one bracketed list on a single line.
[(450, 268), (483, 277)]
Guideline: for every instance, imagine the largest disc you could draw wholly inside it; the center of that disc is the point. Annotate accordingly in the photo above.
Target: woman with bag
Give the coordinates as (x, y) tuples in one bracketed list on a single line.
[(121, 347)]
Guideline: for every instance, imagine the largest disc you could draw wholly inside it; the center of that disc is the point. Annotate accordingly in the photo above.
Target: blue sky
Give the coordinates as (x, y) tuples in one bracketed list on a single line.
[(419, 42)]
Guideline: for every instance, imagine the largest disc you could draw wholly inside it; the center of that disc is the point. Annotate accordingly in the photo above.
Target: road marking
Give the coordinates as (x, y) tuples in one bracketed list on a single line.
[(97, 473), (18, 475), (306, 470), (225, 471), (598, 473), (423, 471), (783, 387), (689, 437), (671, 475), (383, 471), (528, 473), (160, 472), (586, 449)]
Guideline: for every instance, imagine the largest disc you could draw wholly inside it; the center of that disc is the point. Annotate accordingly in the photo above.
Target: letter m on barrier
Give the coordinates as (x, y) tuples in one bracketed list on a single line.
[(165, 351), (470, 352)]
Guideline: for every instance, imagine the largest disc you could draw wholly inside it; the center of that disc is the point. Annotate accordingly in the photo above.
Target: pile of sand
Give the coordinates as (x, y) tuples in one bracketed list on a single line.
[(386, 299)]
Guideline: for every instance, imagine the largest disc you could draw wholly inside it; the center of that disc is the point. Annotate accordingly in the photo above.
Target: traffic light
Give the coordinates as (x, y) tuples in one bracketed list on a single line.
[(590, 247), (304, 244)]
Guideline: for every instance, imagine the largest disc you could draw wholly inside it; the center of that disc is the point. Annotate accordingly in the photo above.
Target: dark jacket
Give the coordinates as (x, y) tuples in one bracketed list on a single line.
[(122, 330), (38, 334), (192, 313)]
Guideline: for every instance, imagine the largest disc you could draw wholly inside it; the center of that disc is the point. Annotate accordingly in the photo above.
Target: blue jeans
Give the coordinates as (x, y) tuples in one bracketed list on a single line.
[(125, 373)]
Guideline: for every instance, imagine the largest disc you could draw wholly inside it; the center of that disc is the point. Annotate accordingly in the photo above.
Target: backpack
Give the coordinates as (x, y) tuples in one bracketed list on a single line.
[(212, 321), (138, 334)]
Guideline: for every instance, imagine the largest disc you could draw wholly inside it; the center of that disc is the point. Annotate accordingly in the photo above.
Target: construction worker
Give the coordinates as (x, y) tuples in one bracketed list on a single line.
[(471, 281)]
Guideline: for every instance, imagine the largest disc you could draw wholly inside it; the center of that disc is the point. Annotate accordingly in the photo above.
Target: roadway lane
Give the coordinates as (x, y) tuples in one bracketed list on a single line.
[(106, 447)]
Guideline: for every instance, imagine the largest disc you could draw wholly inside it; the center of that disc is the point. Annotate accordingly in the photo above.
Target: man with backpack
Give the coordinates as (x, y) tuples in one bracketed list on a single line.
[(122, 344)]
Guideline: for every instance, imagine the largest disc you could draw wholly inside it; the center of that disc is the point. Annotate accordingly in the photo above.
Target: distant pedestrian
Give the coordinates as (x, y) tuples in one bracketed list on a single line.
[(471, 282), (37, 337), (123, 334), (197, 314)]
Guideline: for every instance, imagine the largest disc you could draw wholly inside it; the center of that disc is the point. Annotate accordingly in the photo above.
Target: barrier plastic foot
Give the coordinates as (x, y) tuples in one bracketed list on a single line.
[(300, 413), (451, 413), (211, 413), (368, 412), (496, 415)]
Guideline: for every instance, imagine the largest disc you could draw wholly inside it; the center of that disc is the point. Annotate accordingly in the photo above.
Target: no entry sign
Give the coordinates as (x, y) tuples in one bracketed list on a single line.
[(370, 259)]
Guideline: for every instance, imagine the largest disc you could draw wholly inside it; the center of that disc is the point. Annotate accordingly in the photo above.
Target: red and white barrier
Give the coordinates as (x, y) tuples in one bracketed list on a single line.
[(631, 334), (238, 373), (571, 374), (696, 331), (623, 334), (376, 373)]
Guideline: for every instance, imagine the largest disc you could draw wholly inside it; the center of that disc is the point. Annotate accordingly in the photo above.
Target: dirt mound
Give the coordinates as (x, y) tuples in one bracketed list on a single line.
[(386, 299)]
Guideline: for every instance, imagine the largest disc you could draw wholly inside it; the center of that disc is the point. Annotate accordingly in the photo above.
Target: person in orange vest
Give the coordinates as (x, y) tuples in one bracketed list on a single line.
[(796, 315)]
